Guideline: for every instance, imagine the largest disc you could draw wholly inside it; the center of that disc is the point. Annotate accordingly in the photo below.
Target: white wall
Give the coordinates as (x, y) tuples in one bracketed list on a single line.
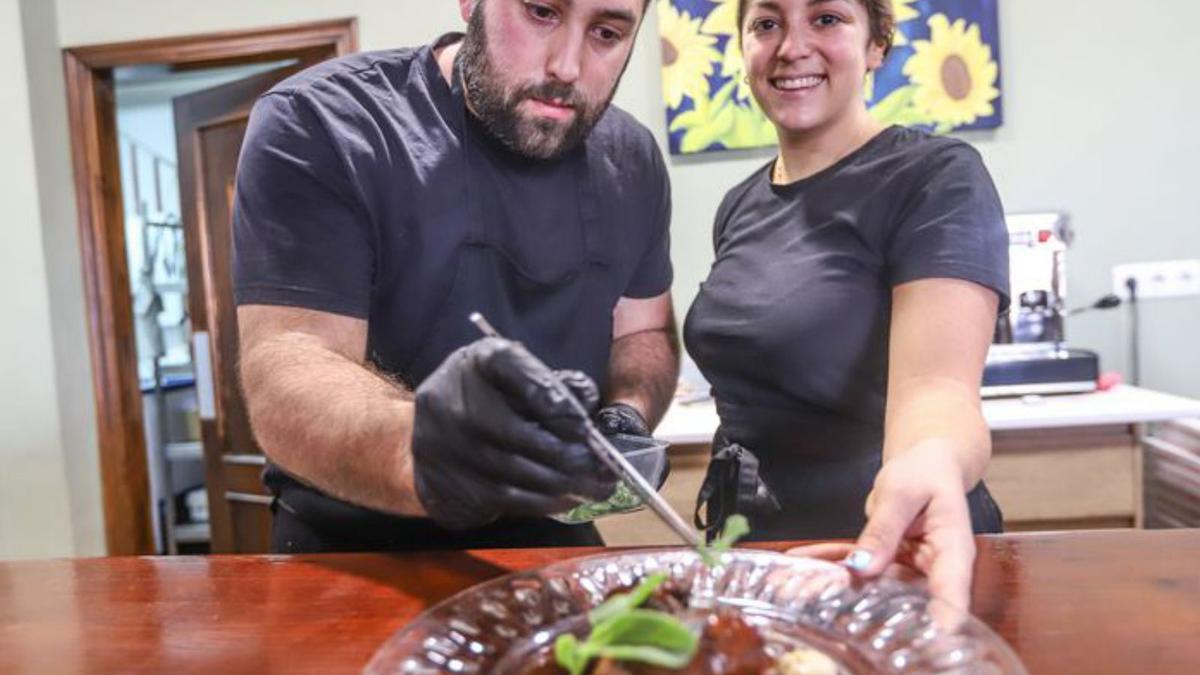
[(1097, 108), (35, 514)]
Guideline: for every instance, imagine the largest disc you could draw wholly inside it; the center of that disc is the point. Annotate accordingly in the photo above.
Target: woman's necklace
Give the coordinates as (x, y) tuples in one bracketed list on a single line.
[(778, 176)]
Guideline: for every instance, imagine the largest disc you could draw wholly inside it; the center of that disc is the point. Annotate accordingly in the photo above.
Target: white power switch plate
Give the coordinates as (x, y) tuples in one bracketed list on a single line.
[(1165, 279)]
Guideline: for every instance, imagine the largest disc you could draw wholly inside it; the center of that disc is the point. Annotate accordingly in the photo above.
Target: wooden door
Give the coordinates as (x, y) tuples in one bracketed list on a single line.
[(209, 128)]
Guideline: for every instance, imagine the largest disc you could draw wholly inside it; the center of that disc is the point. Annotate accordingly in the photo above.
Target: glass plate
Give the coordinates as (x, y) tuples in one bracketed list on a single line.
[(879, 626)]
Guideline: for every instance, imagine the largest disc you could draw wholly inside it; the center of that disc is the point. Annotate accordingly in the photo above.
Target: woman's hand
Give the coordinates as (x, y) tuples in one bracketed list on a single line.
[(917, 515)]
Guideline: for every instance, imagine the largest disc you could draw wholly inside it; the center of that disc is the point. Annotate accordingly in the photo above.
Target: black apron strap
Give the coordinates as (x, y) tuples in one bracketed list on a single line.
[(732, 485)]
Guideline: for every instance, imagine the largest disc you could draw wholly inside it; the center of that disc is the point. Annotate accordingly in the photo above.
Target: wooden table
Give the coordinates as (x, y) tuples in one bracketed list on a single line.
[(1094, 602)]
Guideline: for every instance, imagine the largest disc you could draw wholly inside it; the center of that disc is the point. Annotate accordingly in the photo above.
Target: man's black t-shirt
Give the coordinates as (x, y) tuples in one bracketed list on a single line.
[(351, 198), (791, 326), (362, 180)]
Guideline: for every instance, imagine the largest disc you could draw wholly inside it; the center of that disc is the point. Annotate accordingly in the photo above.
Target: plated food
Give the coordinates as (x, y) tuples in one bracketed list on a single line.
[(759, 611), (665, 634)]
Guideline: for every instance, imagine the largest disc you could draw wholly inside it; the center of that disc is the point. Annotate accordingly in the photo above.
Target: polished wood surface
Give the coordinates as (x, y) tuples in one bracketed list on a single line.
[(92, 117), (1089, 602)]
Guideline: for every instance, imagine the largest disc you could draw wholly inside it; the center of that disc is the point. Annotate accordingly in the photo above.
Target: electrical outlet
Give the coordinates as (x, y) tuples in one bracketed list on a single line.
[(1165, 279)]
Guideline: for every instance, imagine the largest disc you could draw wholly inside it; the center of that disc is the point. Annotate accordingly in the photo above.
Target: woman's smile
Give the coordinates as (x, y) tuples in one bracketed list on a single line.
[(792, 83)]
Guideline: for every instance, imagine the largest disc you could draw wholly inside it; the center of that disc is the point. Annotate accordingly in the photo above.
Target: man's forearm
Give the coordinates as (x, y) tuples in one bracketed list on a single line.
[(331, 422), (643, 372)]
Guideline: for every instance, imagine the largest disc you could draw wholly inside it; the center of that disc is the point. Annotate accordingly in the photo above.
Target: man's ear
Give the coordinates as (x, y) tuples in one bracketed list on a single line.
[(466, 7)]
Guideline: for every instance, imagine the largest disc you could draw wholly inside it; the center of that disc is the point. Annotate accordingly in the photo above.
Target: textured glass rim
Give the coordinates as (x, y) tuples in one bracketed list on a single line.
[(971, 633)]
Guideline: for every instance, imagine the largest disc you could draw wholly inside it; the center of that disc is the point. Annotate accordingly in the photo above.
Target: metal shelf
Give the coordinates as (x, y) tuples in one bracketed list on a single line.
[(187, 450), (192, 533)]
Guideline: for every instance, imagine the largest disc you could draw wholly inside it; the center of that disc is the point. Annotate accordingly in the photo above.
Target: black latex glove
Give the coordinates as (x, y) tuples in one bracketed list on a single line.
[(582, 387), (621, 418), (491, 437)]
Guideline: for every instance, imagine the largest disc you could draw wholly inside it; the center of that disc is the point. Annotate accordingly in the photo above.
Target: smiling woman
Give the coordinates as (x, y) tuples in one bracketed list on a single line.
[(844, 322), (806, 62)]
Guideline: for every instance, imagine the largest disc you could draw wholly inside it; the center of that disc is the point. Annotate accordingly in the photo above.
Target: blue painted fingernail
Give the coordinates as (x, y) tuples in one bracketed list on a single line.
[(859, 560)]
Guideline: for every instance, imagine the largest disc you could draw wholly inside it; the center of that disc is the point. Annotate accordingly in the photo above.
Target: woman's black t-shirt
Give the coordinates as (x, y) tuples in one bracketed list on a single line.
[(791, 326)]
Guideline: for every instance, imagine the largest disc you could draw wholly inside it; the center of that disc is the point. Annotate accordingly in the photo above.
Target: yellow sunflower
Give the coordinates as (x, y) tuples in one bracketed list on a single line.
[(687, 55), (722, 20), (751, 128), (903, 12), (954, 73), (721, 120)]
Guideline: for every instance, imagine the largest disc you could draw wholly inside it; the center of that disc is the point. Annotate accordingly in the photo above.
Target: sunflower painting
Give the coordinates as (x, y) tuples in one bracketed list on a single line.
[(942, 75)]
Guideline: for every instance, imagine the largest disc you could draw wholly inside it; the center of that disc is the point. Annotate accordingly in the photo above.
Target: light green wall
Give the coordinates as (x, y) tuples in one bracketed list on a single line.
[(1099, 121), (34, 510), (64, 274), (1098, 108)]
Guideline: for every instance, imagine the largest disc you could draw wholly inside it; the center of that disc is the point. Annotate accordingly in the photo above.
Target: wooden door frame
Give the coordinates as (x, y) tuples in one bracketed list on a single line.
[(91, 106)]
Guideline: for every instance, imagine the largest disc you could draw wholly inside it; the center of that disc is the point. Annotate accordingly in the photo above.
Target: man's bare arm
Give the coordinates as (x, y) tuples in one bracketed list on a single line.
[(321, 413), (644, 366)]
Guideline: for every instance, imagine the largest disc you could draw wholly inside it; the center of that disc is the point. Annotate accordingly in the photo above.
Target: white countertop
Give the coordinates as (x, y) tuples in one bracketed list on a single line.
[(696, 422)]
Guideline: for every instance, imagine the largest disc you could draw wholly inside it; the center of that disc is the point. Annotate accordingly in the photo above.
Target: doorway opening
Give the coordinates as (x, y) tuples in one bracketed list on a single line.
[(156, 250), (155, 130)]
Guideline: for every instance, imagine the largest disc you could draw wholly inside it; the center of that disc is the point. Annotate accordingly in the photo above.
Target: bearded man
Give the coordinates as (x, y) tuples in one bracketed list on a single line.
[(383, 197)]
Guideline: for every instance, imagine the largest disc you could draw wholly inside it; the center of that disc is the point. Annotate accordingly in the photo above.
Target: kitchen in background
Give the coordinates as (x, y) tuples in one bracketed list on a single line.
[(158, 281)]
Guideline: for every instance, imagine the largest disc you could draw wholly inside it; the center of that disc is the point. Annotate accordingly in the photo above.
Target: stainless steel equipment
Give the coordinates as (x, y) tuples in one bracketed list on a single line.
[(1028, 355), (1037, 250)]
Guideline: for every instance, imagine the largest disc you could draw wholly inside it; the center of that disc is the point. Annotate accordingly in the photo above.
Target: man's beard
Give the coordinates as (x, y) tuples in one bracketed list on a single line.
[(497, 109)]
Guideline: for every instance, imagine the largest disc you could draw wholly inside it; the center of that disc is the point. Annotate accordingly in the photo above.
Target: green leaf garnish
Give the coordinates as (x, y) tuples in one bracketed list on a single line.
[(569, 655), (622, 631), (645, 631), (655, 656), (623, 602), (736, 527)]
